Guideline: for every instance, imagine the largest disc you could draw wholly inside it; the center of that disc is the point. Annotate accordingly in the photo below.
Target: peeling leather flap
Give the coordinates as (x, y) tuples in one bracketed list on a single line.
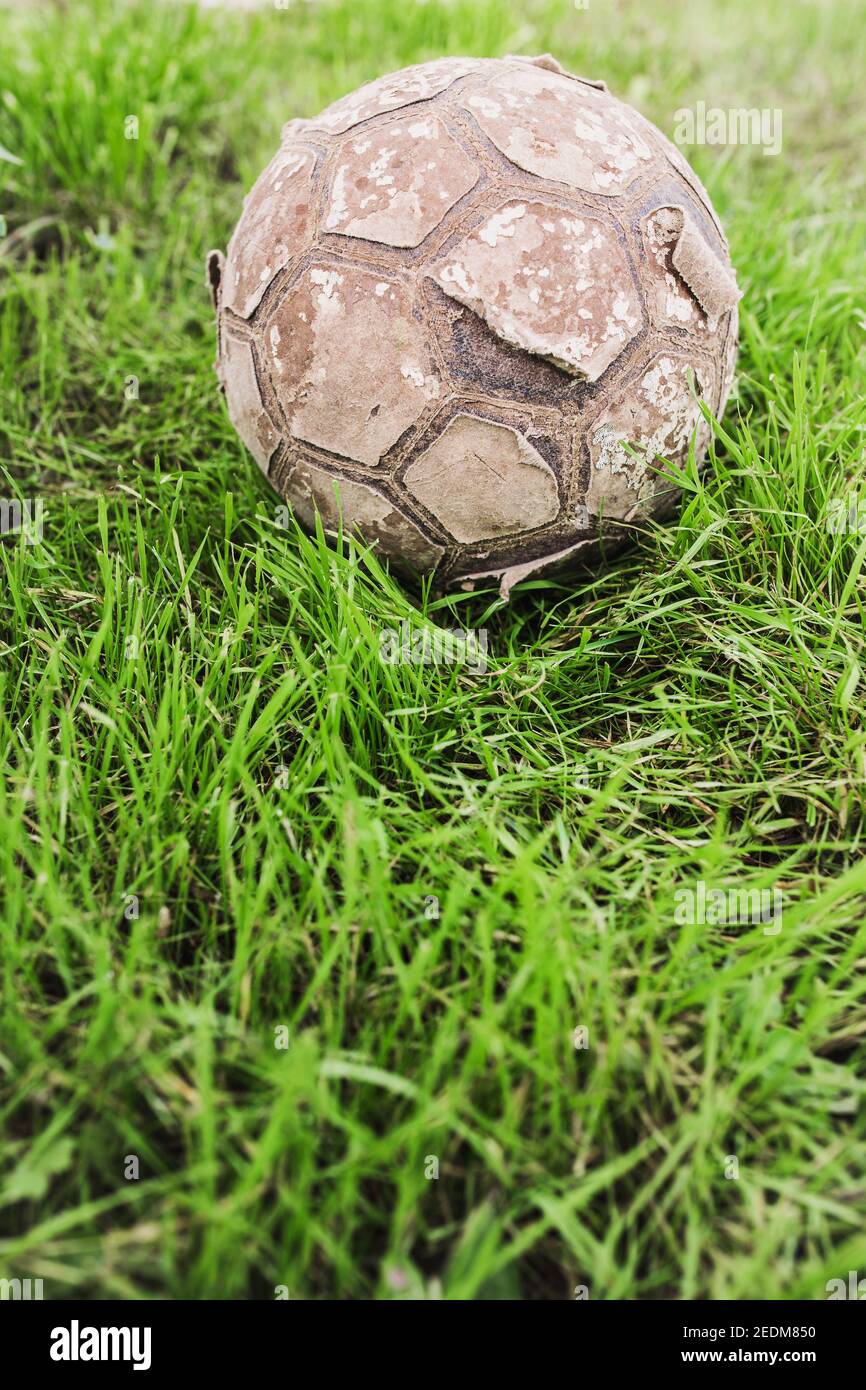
[(711, 284), (514, 574), (551, 64), (215, 264)]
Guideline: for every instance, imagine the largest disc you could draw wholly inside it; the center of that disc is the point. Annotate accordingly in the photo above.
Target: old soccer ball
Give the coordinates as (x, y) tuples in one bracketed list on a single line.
[(471, 310)]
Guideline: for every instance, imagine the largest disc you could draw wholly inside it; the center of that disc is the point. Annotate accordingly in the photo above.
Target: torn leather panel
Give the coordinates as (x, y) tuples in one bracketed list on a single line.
[(713, 286), (551, 64), (509, 575), (551, 282)]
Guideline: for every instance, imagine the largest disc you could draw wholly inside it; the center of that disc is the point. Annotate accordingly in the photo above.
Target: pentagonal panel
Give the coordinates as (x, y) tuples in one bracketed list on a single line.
[(272, 230), (244, 401), (551, 282), (483, 480), (656, 416), (560, 129), (348, 361), (312, 490), (395, 184), (398, 89)]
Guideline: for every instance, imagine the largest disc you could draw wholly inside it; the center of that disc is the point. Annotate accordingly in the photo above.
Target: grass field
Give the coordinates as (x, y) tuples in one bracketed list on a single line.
[(222, 816)]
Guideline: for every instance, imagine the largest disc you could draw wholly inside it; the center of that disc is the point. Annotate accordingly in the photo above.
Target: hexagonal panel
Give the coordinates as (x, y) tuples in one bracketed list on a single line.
[(417, 83), (551, 282), (348, 361), (380, 523), (244, 401), (395, 184), (656, 415), (273, 228), (561, 129), (482, 480)]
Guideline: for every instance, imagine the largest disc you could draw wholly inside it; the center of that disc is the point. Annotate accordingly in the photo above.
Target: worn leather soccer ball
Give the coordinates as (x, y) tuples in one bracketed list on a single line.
[(454, 297)]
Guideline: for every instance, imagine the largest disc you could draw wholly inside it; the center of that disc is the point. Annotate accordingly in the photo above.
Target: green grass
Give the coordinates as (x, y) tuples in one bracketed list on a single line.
[(278, 804)]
